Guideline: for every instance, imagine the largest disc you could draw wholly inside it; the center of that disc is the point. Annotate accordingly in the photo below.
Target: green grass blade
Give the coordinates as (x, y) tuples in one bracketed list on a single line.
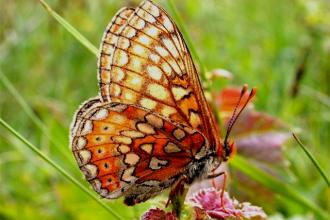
[(29, 112), (21, 101), (316, 95), (312, 158), (58, 168), (275, 185), (70, 28), (187, 37)]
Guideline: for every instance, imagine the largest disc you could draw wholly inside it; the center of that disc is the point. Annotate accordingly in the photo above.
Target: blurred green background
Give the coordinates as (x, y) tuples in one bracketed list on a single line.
[(267, 44)]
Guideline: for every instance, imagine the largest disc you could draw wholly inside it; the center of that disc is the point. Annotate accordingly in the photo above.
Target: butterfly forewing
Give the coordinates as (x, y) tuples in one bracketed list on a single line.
[(120, 147), (150, 66), (109, 41)]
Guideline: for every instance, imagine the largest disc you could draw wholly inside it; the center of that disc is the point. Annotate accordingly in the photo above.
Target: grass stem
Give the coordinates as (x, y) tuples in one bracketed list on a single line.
[(70, 29), (30, 113), (312, 158), (58, 168)]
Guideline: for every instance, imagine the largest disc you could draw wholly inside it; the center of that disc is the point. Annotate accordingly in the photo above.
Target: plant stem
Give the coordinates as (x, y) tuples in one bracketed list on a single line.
[(178, 199), (70, 29), (314, 161)]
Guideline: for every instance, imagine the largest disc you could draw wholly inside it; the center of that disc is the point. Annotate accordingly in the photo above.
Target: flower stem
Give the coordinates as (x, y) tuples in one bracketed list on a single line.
[(177, 201)]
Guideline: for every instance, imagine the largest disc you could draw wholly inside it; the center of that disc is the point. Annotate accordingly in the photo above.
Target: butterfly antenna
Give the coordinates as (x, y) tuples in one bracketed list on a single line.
[(243, 91), (236, 115)]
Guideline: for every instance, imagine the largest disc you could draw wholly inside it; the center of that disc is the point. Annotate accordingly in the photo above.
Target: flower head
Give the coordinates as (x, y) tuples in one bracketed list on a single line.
[(158, 214), (210, 201)]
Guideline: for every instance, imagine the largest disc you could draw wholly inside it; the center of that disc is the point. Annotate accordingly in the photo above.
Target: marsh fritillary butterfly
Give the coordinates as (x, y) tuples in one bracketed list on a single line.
[(151, 127)]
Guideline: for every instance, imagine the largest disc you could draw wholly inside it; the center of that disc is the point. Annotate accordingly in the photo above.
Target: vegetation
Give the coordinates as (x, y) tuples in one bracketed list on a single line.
[(281, 47)]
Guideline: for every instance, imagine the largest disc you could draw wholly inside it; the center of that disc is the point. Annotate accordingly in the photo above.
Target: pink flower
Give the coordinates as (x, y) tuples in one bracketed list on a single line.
[(158, 214), (209, 200)]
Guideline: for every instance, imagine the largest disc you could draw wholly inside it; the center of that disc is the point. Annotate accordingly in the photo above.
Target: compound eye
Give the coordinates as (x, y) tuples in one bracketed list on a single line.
[(232, 149), (227, 151)]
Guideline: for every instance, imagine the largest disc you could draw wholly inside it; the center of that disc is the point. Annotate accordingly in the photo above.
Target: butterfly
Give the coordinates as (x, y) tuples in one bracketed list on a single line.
[(151, 126)]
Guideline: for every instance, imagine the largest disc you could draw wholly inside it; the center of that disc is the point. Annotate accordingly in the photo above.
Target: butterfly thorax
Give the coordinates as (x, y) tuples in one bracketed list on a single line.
[(201, 167)]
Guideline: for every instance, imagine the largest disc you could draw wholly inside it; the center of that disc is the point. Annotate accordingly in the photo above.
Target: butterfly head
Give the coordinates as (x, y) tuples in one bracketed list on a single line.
[(228, 146), (229, 149)]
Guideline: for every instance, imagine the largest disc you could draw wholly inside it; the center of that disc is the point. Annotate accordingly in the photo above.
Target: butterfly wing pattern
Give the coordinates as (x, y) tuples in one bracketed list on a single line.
[(151, 124), (147, 63)]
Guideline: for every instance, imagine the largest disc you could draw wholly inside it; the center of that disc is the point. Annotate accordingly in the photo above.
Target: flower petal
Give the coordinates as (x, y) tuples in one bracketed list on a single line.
[(224, 207)]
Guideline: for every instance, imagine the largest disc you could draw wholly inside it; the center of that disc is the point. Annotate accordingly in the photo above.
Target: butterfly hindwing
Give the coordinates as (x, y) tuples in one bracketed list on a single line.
[(124, 149)]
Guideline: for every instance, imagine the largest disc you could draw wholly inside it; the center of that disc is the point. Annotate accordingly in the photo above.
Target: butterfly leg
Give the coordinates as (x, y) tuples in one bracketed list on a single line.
[(215, 175), (223, 186)]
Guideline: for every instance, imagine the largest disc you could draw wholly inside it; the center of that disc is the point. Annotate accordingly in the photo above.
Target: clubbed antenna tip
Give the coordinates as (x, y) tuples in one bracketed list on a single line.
[(236, 115)]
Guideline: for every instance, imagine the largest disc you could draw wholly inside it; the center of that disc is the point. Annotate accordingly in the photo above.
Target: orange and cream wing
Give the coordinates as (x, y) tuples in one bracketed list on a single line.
[(147, 63), (111, 35), (124, 149)]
